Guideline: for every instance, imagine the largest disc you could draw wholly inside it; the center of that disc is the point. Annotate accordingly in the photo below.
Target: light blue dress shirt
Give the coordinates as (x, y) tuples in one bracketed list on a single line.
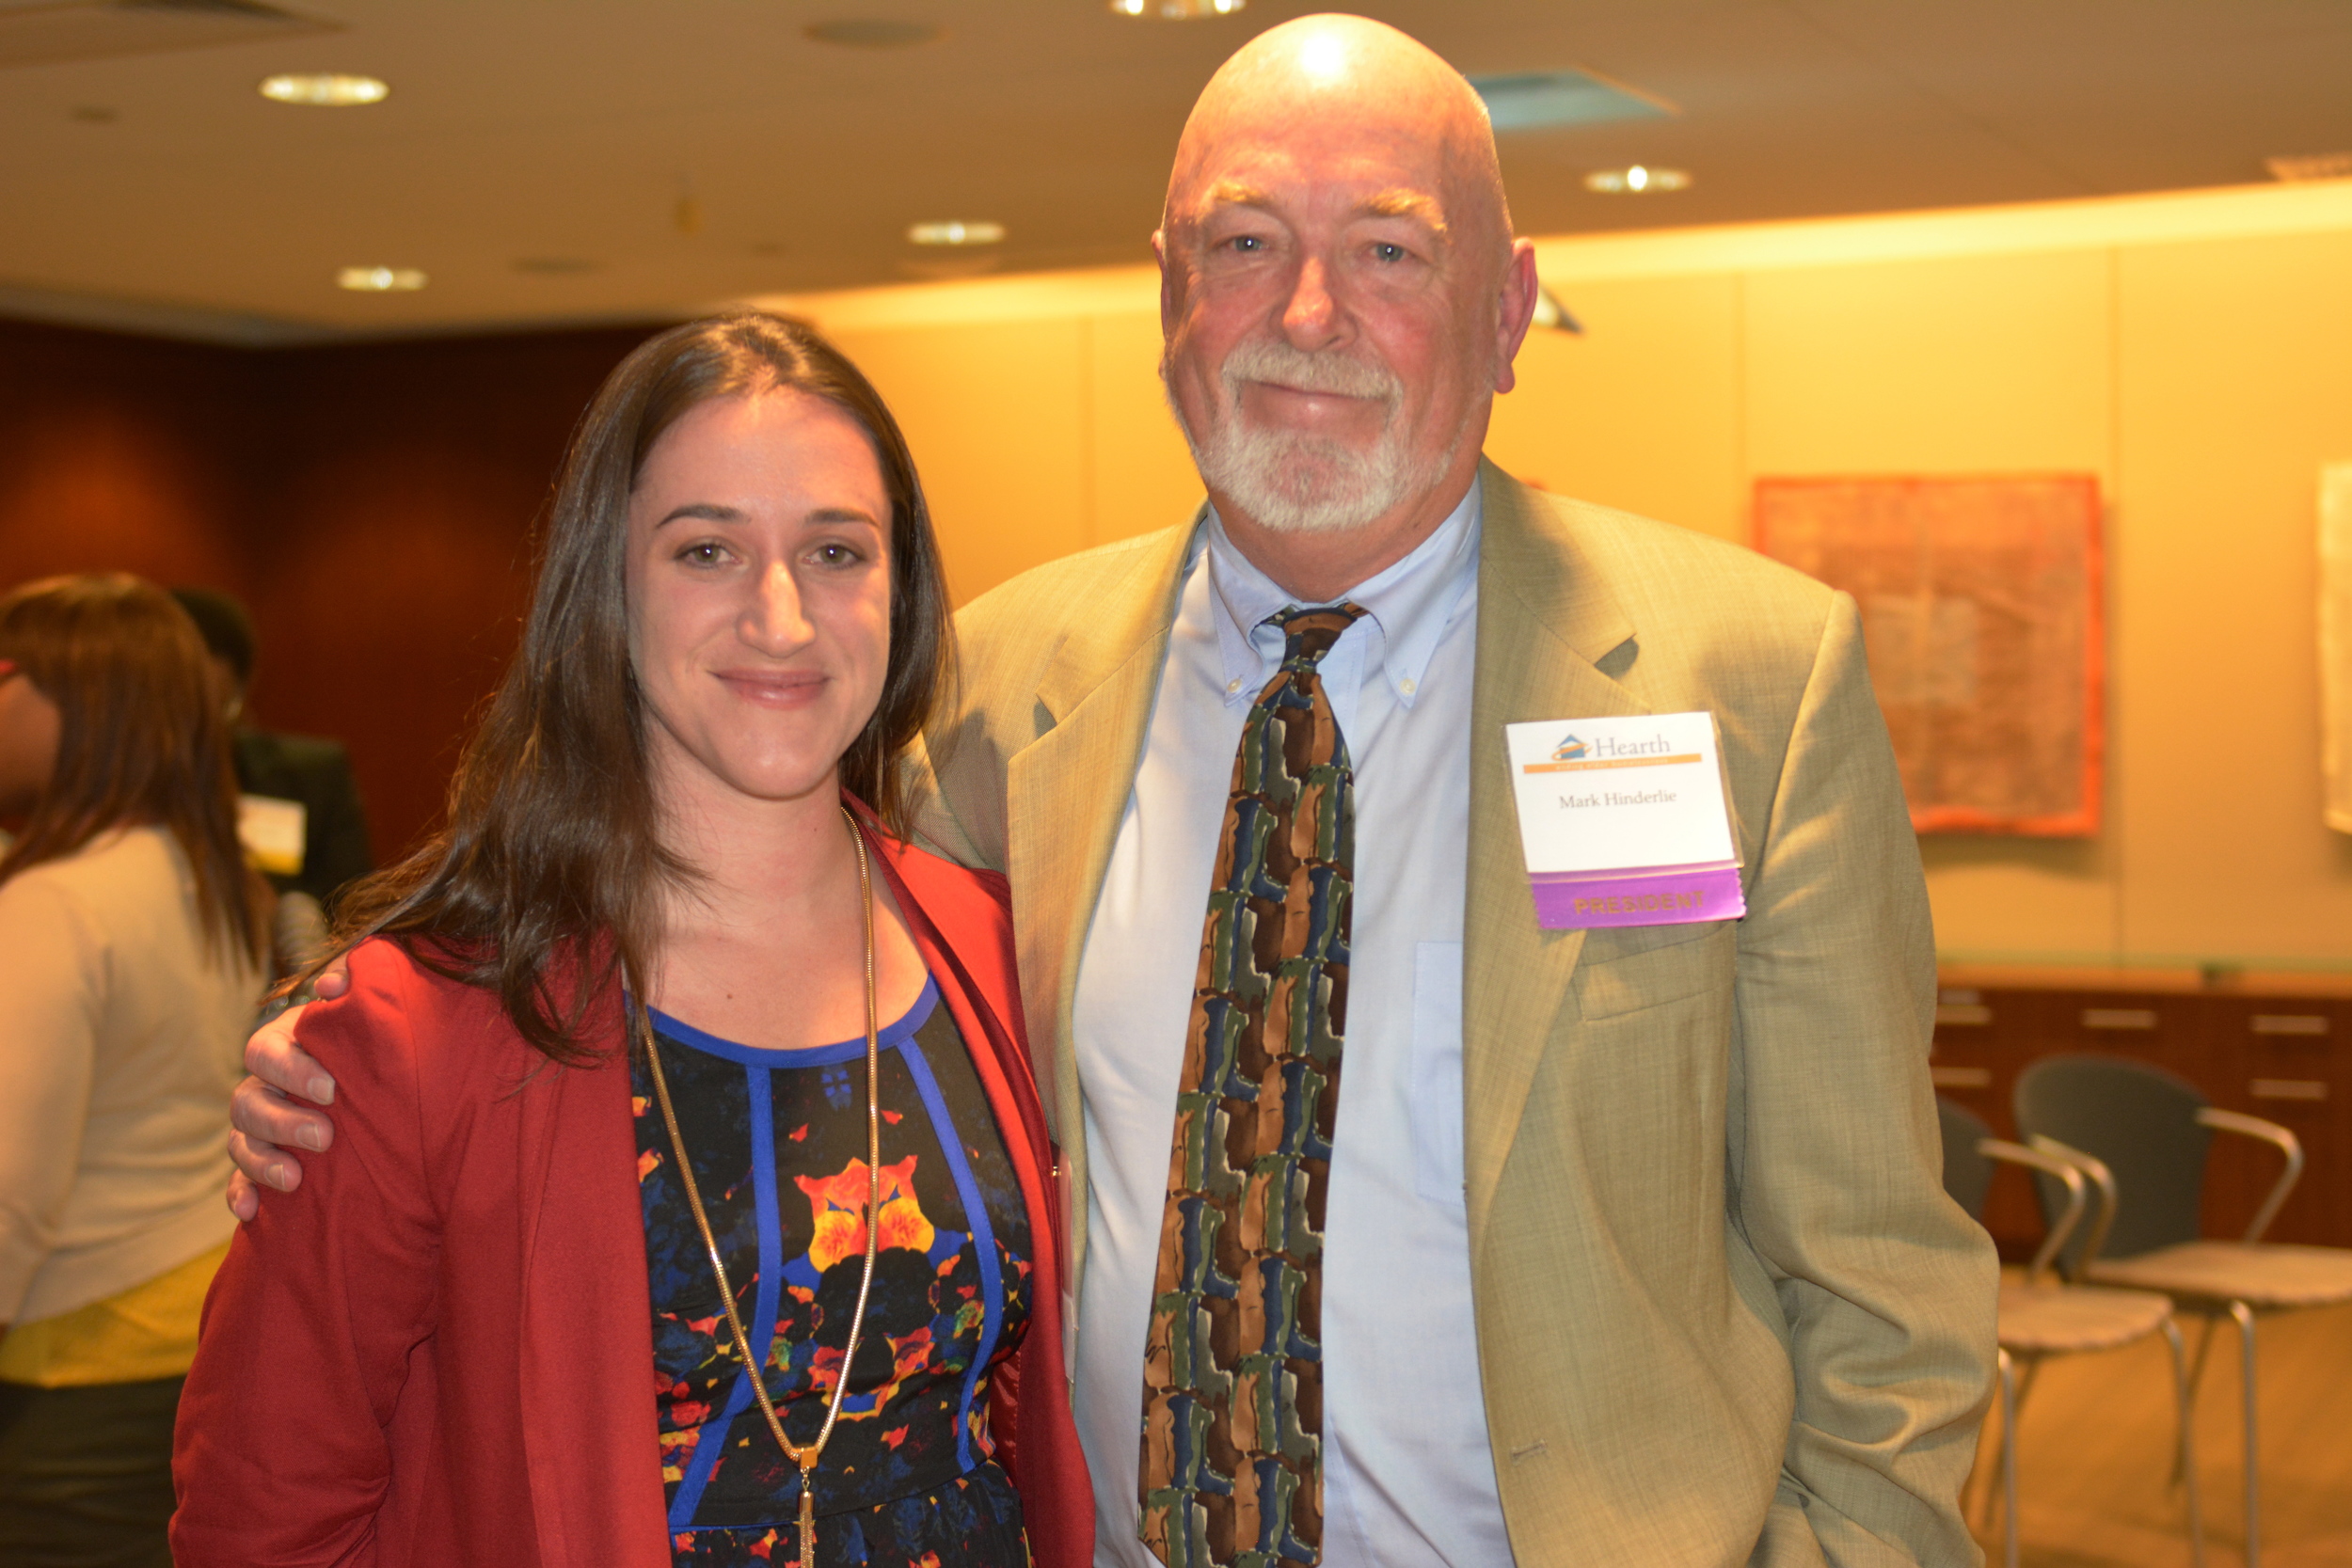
[(1408, 1478)]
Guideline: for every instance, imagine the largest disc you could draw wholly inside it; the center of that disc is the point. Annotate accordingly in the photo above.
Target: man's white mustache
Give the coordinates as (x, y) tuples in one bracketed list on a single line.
[(1301, 370)]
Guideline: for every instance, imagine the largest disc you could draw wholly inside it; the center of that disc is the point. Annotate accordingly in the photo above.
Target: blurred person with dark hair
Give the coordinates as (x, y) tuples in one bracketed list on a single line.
[(328, 846), (131, 964), (698, 1202)]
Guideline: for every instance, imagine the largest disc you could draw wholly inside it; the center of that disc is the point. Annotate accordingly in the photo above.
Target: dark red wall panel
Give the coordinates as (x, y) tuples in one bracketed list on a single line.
[(373, 504)]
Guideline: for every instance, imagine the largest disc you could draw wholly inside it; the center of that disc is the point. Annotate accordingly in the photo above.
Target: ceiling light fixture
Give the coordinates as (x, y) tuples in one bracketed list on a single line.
[(379, 280), (1177, 11), (1636, 179), (324, 90), (956, 233)]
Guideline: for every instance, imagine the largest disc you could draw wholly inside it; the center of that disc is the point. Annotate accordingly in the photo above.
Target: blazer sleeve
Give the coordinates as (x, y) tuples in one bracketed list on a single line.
[(282, 1455), (1887, 1286)]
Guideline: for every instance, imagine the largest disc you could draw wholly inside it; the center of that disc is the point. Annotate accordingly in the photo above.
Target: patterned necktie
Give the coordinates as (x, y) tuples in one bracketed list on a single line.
[(1232, 1377)]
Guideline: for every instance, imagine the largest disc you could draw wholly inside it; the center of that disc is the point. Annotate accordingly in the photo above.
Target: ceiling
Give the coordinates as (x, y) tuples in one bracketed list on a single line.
[(562, 161)]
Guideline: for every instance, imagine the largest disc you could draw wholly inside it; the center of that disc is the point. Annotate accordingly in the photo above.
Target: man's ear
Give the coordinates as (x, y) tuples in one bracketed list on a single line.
[(1168, 284), (1517, 312)]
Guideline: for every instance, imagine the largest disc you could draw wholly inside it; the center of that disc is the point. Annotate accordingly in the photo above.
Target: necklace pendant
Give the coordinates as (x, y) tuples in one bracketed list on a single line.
[(808, 1525)]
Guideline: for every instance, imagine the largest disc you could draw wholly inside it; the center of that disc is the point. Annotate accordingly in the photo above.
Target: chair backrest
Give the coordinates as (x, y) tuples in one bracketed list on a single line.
[(2142, 1121), (1967, 1171)]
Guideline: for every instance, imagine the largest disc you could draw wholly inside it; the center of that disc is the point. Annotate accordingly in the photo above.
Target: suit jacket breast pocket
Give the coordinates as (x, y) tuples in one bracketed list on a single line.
[(1629, 968)]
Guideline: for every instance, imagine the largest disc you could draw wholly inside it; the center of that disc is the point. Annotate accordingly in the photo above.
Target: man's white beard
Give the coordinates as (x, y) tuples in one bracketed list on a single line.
[(1291, 483)]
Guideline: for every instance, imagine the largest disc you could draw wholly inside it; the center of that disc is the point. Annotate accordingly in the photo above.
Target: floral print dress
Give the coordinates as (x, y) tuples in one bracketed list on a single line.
[(778, 1139)]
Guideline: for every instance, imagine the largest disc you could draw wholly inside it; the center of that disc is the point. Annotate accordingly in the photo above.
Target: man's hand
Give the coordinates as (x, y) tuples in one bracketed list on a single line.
[(265, 1116)]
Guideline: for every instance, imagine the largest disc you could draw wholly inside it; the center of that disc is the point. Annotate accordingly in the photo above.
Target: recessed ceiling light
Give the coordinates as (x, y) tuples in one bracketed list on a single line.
[(379, 280), (956, 233), (1638, 179), (865, 32), (326, 90), (1177, 11)]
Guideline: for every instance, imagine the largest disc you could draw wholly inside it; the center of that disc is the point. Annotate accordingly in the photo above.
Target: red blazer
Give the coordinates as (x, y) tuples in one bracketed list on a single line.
[(439, 1349)]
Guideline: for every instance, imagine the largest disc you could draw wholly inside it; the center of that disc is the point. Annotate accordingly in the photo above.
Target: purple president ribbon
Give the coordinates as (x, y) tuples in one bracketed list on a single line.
[(1659, 896)]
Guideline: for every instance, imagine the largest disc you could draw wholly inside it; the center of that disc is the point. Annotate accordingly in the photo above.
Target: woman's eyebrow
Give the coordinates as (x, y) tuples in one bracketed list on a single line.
[(712, 512), (709, 511)]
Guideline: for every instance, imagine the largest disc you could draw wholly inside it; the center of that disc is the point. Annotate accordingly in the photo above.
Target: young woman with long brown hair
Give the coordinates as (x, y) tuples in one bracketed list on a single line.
[(131, 964), (692, 1201)]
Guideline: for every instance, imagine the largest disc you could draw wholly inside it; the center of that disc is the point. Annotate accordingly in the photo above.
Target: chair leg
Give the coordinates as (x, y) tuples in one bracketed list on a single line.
[(2025, 1383), (2207, 1325), (2244, 1315), (2184, 1456), (1988, 1494), (2008, 1461), (2012, 1412)]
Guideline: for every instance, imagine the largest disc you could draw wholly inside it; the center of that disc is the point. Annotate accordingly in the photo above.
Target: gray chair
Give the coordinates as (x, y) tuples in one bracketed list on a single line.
[(2042, 1317), (2142, 1131)]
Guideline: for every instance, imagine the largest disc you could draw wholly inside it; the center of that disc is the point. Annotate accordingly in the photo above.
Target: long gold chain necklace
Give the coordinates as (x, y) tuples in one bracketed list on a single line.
[(806, 1458)]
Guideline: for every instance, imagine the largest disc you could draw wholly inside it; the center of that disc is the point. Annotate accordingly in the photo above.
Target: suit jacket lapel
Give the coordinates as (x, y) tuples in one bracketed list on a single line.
[(1545, 622), (1067, 790)]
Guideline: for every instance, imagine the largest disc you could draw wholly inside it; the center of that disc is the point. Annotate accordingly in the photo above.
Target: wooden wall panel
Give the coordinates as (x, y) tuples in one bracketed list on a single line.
[(121, 453), (395, 489), (371, 504)]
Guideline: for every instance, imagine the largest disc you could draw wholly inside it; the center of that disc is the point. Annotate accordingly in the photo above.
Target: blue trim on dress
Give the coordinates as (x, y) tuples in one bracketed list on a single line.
[(761, 1330), (756, 1062), (814, 1056), (983, 1239)]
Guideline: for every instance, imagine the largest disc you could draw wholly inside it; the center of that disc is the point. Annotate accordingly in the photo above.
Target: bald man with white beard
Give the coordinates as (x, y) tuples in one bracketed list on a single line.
[(1632, 1242)]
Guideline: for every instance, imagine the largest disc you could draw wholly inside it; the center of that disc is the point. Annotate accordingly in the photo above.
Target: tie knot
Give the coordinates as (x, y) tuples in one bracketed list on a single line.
[(1308, 634)]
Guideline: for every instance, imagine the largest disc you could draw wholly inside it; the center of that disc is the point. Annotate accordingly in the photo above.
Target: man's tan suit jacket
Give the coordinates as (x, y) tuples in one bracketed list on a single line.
[(1724, 1311)]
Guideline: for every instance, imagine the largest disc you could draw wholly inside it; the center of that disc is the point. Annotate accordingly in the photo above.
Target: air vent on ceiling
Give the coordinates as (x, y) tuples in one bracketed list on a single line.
[(50, 31), (1538, 100)]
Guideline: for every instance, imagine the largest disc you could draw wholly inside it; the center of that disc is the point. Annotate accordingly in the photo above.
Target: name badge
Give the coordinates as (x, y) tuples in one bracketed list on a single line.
[(1624, 821)]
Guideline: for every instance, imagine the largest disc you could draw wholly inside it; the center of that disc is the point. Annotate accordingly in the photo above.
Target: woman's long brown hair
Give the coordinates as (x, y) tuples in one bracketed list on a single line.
[(548, 878), (142, 739)]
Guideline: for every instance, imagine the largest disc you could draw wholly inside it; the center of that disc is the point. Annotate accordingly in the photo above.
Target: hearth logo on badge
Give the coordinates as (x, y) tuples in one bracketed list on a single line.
[(1568, 750)]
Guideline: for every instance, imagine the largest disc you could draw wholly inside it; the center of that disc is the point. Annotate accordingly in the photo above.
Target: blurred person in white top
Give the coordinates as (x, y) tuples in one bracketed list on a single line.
[(132, 961)]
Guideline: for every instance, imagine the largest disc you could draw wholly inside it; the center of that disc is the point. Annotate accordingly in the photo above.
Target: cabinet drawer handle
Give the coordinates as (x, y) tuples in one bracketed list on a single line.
[(2119, 1018), (2288, 1089), (2289, 1023), (1964, 1014), (1961, 1077)]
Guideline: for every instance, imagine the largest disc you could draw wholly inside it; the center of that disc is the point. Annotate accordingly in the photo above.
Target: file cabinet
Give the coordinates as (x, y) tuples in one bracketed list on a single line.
[(2276, 1045)]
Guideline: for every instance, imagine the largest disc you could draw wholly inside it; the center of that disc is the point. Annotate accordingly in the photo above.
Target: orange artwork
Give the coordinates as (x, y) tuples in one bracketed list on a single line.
[(1981, 602)]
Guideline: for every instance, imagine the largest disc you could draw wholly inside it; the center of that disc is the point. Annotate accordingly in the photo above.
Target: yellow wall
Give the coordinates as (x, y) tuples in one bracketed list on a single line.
[(2193, 351)]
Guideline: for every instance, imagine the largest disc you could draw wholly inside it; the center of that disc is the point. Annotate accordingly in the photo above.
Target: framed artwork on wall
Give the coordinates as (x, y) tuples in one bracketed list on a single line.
[(2335, 643), (1982, 601)]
